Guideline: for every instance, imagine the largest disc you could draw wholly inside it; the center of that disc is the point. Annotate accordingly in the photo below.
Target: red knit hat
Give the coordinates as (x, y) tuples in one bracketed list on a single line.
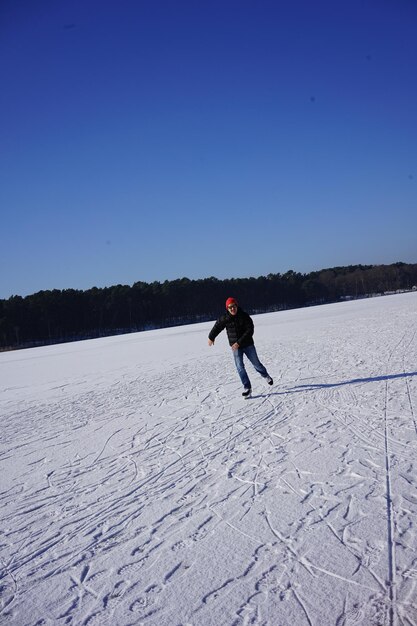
[(230, 301)]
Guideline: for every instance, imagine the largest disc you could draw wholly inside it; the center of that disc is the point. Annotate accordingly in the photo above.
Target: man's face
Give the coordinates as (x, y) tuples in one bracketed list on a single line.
[(232, 308)]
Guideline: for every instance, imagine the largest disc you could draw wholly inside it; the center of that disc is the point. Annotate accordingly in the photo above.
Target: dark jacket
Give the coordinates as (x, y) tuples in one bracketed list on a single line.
[(239, 328)]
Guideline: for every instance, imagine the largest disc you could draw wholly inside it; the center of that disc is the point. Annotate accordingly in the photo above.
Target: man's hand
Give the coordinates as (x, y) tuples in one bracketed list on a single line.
[(235, 346), (210, 342)]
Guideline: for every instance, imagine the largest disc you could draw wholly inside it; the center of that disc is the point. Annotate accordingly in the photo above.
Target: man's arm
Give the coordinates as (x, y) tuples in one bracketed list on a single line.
[(216, 330), (248, 330)]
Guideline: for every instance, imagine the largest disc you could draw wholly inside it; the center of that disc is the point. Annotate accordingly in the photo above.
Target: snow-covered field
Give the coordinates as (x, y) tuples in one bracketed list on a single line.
[(138, 487)]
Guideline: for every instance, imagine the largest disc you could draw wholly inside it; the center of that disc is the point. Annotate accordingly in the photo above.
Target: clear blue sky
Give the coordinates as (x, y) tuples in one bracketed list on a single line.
[(151, 140)]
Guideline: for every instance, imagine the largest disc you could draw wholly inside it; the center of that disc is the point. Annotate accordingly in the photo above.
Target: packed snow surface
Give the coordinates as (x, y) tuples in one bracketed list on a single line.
[(138, 487)]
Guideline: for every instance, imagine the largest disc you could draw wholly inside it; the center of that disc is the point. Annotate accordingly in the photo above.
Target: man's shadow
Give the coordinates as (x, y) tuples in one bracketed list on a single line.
[(353, 381)]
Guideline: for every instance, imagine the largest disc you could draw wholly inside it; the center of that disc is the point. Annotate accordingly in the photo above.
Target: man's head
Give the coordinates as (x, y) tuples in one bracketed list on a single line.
[(231, 305)]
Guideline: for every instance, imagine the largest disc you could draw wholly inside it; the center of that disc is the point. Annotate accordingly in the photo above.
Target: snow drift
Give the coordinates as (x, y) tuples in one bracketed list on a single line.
[(138, 487)]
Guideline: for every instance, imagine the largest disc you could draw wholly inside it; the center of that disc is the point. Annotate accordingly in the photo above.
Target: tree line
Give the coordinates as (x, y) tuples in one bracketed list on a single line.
[(66, 315)]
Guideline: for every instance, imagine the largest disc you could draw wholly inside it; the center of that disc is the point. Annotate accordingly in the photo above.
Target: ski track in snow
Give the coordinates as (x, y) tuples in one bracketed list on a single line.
[(155, 495)]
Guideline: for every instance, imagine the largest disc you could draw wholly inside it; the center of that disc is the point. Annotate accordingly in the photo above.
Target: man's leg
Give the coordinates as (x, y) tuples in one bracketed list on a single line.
[(238, 356), (252, 355)]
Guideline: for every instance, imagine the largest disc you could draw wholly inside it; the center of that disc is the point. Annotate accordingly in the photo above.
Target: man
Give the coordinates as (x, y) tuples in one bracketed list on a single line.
[(239, 328)]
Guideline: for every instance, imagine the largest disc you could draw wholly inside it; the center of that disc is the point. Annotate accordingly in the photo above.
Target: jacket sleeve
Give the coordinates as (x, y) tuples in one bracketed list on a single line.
[(217, 328), (247, 331)]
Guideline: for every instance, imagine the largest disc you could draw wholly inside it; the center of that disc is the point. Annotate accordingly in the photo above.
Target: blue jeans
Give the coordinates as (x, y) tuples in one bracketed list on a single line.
[(250, 352)]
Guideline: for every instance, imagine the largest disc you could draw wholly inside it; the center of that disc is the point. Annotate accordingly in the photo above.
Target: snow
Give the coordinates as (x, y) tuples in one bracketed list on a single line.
[(138, 487)]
